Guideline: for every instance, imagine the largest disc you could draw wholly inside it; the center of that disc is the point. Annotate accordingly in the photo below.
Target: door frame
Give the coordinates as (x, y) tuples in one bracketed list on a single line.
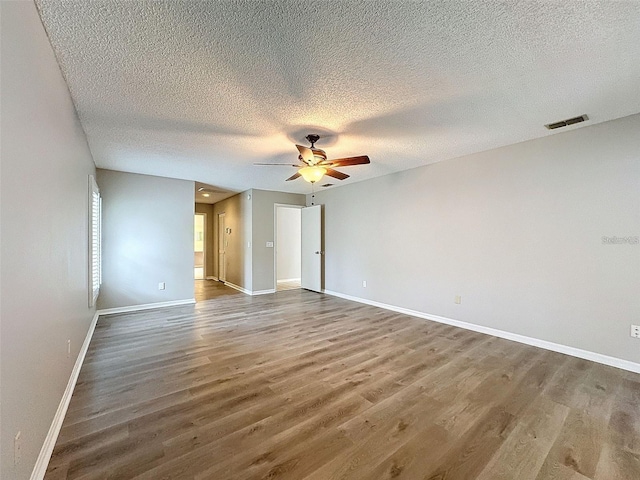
[(204, 244), (222, 248), (275, 238)]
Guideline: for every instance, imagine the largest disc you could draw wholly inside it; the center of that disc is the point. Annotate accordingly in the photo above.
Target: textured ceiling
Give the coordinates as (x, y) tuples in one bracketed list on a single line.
[(201, 90)]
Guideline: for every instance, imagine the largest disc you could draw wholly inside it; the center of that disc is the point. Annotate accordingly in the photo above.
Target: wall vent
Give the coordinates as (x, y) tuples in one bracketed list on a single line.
[(209, 190), (566, 123)]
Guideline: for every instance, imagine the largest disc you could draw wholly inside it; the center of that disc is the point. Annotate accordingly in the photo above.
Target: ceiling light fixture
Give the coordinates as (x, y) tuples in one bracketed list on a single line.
[(205, 195), (312, 174)]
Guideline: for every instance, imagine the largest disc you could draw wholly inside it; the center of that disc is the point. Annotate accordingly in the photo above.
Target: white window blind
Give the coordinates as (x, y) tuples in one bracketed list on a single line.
[(95, 241)]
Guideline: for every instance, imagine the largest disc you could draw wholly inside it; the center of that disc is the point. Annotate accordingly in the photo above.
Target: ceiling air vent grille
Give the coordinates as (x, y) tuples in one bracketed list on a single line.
[(209, 190), (327, 185), (566, 123)]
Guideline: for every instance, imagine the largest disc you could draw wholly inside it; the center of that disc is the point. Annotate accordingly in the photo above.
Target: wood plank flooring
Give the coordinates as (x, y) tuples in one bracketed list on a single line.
[(282, 285), (298, 385)]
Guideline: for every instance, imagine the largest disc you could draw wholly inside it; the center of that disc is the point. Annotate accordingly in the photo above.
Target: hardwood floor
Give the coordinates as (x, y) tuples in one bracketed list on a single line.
[(298, 385), (287, 285), (210, 289)]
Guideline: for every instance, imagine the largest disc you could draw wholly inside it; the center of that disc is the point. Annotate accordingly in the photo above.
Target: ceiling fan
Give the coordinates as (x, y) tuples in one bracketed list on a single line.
[(314, 164)]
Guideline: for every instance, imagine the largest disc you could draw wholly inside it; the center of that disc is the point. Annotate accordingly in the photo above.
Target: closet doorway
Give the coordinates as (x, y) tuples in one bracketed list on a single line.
[(288, 247)]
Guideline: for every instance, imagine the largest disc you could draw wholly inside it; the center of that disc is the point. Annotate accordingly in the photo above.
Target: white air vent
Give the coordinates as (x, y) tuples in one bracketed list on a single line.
[(209, 190), (566, 123), (327, 185)]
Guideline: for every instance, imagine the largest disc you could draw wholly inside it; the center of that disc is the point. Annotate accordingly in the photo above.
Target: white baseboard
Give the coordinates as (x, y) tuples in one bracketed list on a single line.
[(42, 462), (535, 342), (282, 280), (263, 292), (237, 287), (146, 306), (213, 278), (249, 292)]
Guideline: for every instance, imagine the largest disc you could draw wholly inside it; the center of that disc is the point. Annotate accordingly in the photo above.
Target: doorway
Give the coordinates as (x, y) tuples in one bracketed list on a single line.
[(288, 247), (199, 236), (222, 248)]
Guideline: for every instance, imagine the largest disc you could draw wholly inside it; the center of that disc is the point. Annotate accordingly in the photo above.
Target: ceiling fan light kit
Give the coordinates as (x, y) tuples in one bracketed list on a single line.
[(312, 174), (314, 164)]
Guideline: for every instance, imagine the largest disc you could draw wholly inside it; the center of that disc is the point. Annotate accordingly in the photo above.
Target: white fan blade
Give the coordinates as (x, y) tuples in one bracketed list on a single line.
[(306, 154)]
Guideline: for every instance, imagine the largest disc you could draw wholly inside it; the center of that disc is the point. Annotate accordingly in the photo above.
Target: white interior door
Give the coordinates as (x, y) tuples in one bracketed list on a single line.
[(222, 246), (311, 271)]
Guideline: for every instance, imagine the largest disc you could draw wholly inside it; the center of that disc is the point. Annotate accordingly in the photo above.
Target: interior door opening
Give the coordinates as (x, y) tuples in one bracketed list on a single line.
[(199, 231), (288, 248)]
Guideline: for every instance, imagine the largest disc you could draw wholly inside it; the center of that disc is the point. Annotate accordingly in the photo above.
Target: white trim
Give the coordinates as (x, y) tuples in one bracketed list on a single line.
[(146, 306), (222, 269), (95, 241), (289, 280), (212, 278), (42, 462), (535, 342), (236, 287), (204, 242), (263, 292), (249, 292)]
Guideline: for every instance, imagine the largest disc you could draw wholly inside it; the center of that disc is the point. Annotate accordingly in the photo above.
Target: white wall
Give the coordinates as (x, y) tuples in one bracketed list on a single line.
[(516, 231), (44, 210), (288, 245), (147, 238)]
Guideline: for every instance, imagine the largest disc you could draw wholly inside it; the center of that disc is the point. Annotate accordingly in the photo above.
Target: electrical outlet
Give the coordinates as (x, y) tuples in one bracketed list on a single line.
[(17, 449), (162, 286), (635, 331), (69, 348), (458, 299), (364, 283)]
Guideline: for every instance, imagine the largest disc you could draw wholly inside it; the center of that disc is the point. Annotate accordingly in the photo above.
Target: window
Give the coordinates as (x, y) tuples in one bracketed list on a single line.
[(95, 241)]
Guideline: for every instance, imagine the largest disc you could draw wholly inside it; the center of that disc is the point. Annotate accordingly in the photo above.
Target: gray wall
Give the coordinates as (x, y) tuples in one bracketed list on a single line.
[(147, 238), (44, 209), (263, 207), (251, 217), (516, 231), (237, 210), (288, 243)]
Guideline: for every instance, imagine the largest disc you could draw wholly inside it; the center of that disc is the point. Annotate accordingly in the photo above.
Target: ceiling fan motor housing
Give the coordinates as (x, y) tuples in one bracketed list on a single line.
[(312, 138), (319, 155)]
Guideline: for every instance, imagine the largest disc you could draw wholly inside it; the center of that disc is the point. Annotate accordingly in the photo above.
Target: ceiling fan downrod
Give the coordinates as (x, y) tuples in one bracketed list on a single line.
[(312, 138)]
